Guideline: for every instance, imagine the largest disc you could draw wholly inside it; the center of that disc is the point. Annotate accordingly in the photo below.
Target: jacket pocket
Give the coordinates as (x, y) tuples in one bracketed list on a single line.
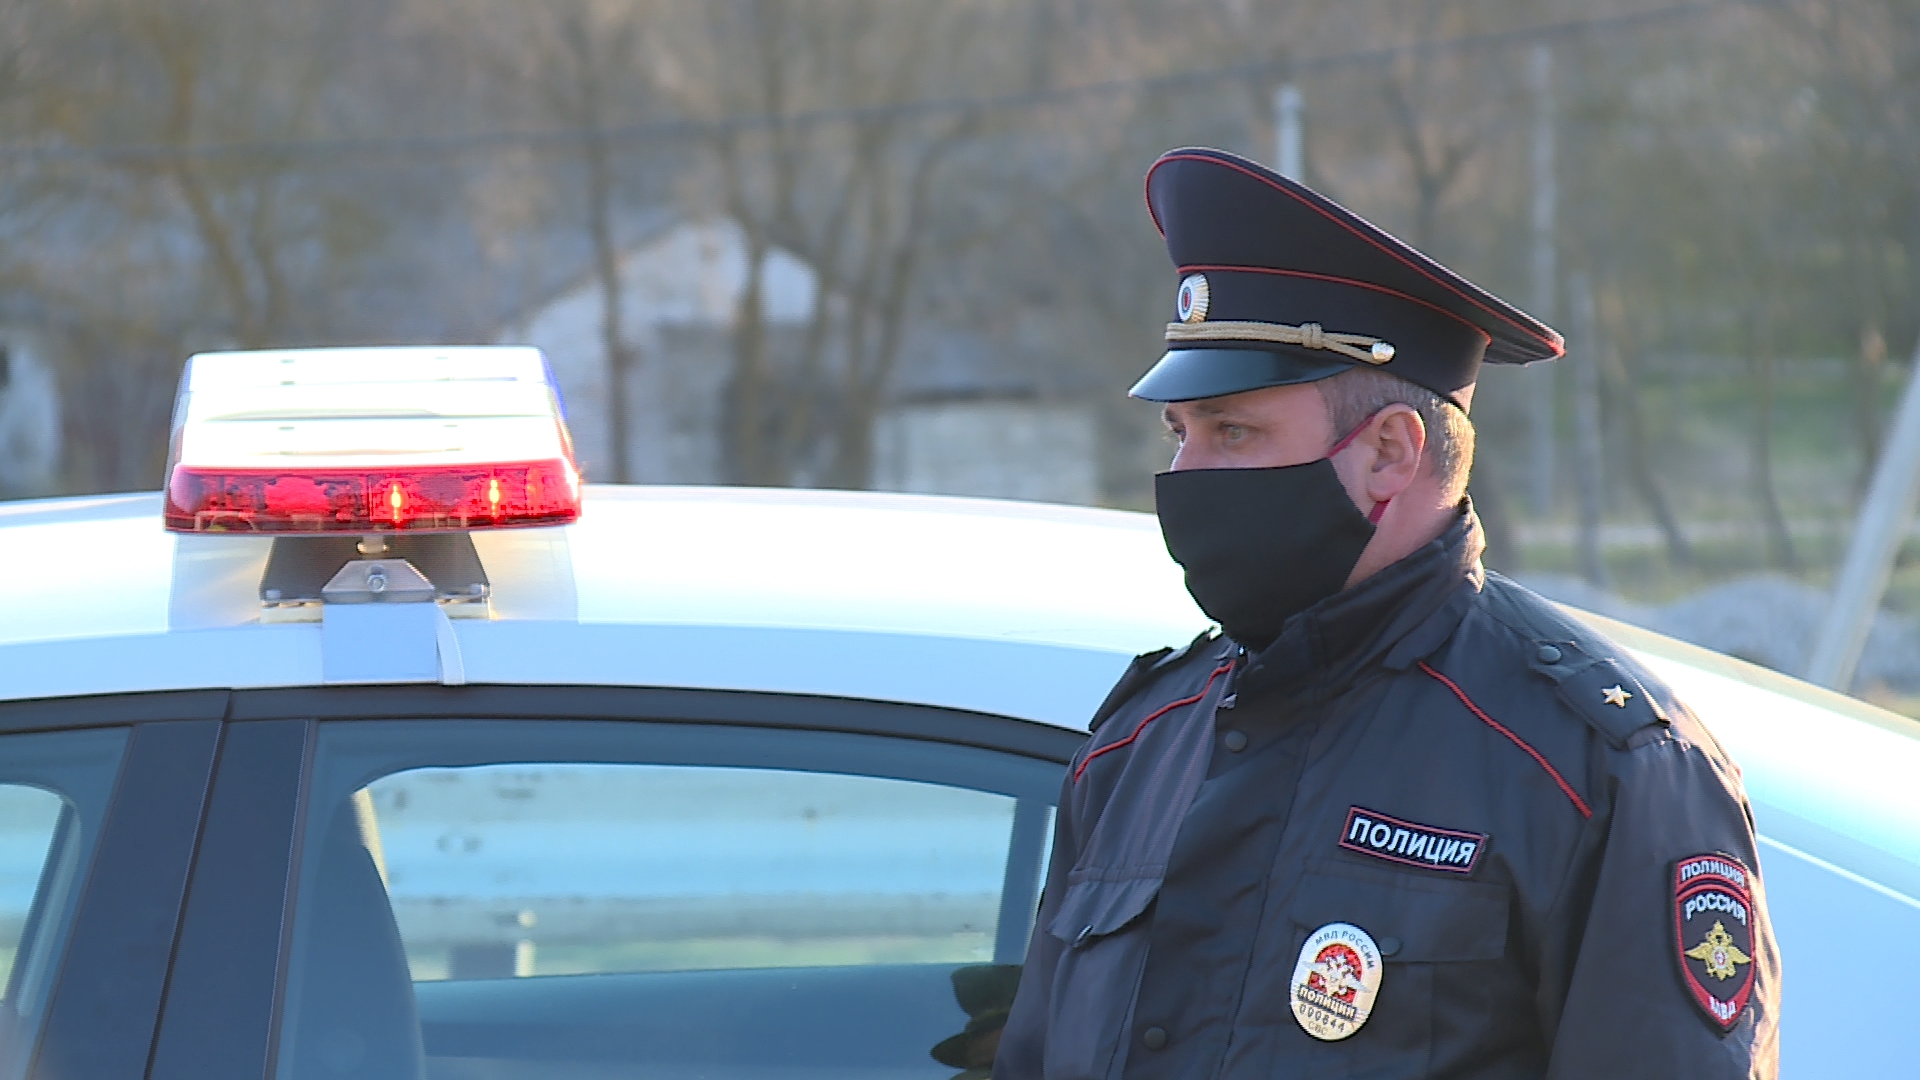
[(1442, 943), (1094, 907), (1090, 1004), (1429, 921)]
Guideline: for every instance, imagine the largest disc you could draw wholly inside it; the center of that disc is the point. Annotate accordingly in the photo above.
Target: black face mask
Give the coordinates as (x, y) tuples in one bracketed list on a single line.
[(1260, 545)]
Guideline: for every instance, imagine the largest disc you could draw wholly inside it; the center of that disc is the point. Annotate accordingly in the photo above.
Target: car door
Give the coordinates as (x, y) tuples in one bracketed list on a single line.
[(588, 882), (100, 806)]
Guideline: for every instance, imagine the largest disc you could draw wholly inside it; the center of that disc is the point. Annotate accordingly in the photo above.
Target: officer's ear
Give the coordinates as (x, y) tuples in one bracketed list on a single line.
[(1399, 442)]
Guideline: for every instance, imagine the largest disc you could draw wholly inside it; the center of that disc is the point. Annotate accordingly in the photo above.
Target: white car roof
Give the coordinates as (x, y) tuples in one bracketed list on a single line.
[(963, 603)]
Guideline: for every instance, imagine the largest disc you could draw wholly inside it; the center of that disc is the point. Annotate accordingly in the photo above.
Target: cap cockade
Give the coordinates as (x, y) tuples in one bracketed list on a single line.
[(1280, 285), (1195, 297)]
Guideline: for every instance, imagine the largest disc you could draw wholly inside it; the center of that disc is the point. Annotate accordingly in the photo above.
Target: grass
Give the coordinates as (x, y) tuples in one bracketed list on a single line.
[(1646, 575)]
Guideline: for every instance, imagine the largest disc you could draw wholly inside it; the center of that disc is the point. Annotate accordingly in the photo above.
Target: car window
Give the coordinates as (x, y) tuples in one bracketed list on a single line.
[(590, 899), (54, 788)]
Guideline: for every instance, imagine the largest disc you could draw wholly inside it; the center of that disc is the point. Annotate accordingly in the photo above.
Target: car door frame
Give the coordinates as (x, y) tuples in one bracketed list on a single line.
[(223, 995), (107, 989)]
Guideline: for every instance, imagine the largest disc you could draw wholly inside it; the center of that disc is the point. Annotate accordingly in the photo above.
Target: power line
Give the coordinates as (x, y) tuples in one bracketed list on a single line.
[(683, 128)]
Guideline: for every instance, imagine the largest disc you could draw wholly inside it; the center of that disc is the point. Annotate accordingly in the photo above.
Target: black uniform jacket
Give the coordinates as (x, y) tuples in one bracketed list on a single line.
[(1500, 797)]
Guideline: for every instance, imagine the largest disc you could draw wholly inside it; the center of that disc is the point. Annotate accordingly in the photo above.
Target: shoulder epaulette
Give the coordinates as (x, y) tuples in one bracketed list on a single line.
[(1607, 693), (1143, 668)]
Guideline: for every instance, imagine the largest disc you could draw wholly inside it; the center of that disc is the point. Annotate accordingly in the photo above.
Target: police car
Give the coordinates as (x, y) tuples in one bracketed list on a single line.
[(378, 746)]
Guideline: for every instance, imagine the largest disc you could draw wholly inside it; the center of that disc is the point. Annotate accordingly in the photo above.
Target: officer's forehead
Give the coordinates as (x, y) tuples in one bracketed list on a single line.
[(1241, 402), (1269, 400)]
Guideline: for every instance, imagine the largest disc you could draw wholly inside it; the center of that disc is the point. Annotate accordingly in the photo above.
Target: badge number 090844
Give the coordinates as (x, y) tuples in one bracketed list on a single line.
[(1335, 981)]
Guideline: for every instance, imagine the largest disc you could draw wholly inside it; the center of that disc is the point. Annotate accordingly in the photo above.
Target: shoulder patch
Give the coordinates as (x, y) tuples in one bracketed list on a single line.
[(1611, 699), (1713, 934), (1143, 668)]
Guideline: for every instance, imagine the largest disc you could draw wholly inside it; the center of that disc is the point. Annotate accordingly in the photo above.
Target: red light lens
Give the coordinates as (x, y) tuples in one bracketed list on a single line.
[(388, 500)]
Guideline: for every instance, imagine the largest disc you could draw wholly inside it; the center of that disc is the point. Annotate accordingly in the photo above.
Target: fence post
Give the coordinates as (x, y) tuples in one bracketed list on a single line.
[(1877, 536), (1289, 158)]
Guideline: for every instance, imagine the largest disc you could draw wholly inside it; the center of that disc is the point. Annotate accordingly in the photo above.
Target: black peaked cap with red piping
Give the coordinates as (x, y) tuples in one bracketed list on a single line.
[(1281, 285)]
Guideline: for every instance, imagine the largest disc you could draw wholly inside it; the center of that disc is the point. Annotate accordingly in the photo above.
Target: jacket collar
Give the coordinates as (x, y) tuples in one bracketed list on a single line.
[(1391, 619)]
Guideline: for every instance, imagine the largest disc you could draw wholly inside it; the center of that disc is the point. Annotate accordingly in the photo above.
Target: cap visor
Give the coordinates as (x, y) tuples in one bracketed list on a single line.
[(1192, 374)]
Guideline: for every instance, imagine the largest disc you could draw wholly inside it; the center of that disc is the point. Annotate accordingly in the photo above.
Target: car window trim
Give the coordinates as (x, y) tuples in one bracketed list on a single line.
[(902, 719), (221, 1009), (111, 710), (673, 705), (127, 913), (1021, 883)]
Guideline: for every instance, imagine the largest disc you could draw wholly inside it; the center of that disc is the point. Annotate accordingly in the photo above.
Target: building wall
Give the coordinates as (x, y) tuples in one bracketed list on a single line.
[(681, 291), (679, 296)]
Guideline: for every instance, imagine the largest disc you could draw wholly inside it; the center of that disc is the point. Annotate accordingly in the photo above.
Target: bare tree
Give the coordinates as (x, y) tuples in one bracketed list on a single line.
[(835, 174), (1435, 141), (574, 67), (225, 73), (1861, 111), (1622, 378), (1762, 358), (202, 232)]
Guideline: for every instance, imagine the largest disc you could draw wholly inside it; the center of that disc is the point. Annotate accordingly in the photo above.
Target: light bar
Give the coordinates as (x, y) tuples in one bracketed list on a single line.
[(369, 441)]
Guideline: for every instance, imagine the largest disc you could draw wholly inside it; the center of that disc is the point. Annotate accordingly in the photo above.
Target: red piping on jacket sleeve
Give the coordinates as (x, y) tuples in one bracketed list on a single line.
[(1155, 715), (1579, 803)]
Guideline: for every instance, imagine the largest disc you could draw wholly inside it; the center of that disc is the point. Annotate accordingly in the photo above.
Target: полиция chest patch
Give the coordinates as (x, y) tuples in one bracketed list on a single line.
[(1410, 843), (1713, 931)]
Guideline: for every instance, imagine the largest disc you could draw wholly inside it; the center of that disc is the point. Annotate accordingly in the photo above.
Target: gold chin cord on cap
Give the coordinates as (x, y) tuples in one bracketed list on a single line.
[(1367, 350)]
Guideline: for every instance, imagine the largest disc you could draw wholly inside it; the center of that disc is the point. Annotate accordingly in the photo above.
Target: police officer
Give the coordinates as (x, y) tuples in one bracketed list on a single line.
[(1402, 818)]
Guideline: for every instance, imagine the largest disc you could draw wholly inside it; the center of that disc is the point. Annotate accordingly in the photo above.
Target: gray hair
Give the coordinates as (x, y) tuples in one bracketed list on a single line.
[(1357, 393)]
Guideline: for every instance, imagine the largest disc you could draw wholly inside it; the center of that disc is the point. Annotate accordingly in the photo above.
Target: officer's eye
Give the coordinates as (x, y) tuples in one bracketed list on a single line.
[(1175, 433), (1232, 432)]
